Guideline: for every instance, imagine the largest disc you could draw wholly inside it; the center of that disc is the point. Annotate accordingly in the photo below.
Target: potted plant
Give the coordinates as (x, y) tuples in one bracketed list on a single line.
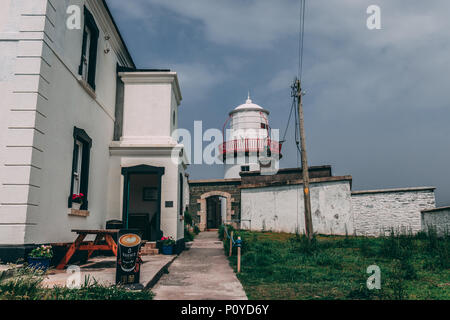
[(167, 245), (40, 257), (77, 201)]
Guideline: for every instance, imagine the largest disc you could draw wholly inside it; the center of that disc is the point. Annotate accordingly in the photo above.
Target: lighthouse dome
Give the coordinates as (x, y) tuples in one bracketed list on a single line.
[(249, 106)]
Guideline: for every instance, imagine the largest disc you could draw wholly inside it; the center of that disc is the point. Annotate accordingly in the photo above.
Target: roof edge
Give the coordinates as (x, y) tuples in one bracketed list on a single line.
[(118, 32)]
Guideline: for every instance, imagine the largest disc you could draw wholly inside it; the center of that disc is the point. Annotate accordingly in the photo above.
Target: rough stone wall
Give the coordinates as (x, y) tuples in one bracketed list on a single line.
[(280, 208), (197, 189), (439, 219), (377, 212)]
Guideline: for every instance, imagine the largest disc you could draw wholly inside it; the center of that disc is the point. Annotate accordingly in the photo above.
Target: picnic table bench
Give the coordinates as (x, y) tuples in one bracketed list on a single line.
[(90, 246)]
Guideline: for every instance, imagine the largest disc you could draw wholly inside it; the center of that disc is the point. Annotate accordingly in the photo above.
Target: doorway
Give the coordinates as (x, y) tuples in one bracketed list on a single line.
[(142, 200), (213, 212)]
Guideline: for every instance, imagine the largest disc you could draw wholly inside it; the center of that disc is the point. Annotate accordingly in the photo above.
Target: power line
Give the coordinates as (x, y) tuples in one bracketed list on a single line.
[(301, 38)]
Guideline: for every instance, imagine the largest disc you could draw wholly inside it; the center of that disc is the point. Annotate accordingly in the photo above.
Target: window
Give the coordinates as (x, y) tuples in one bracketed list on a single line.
[(80, 166), (181, 194), (245, 168), (89, 49), (78, 158), (150, 194), (263, 126)]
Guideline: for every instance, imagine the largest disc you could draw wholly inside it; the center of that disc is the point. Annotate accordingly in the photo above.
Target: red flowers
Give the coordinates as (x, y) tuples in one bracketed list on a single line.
[(77, 196), (168, 241)]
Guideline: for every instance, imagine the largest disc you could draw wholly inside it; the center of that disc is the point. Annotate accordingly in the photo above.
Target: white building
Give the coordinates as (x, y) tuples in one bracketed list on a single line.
[(76, 116), (248, 145)]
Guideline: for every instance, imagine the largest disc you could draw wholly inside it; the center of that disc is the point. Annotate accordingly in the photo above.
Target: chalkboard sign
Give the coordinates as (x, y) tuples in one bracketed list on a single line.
[(128, 260)]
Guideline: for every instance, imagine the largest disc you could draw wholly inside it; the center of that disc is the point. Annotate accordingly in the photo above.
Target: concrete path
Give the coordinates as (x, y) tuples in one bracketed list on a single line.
[(200, 273), (103, 269)]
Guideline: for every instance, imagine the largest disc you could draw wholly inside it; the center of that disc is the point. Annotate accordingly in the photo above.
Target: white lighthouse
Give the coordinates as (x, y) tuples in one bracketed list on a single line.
[(248, 145)]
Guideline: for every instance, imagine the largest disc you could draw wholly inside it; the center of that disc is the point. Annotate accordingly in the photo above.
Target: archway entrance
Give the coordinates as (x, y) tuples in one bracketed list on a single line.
[(215, 207), (213, 212)]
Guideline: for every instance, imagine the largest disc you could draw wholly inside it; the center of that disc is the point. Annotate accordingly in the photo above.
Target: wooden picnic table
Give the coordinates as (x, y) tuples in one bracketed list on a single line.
[(90, 246)]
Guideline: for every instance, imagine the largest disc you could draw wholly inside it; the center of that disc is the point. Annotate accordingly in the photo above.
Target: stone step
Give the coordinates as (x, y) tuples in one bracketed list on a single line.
[(149, 248), (149, 251)]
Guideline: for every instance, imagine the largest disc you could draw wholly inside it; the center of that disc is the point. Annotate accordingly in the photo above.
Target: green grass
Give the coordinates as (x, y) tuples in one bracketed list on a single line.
[(26, 284), (285, 266)]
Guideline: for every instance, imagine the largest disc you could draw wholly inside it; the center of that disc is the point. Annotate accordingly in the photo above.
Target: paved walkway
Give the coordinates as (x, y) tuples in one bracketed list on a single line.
[(103, 269), (200, 273)]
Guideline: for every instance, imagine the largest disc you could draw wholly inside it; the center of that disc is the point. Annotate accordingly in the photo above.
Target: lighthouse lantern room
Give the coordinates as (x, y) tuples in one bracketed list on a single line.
[(248, 145)]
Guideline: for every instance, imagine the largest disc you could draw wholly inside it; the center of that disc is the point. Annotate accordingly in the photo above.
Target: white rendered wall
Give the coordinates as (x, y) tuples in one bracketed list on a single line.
[(48, 102), (438, 219), (151, 98), (232, 166), (280, 208), (377, 213)]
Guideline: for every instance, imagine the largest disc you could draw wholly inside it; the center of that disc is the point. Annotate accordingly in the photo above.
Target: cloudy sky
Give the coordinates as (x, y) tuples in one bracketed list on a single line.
[(377, 104)]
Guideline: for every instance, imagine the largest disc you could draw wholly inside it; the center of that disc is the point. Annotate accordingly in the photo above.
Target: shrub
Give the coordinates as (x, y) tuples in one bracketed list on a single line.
[(196, 230), (188, 218), (42, 252), (26, 284), (221, 230), (188, 236)]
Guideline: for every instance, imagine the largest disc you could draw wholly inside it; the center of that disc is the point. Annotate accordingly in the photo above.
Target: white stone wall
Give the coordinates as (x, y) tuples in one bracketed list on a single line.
[(280, 208), (377, 212), (439, 219)]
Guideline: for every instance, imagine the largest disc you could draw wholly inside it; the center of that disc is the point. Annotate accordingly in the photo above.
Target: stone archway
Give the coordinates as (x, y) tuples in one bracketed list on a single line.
[(203, 210)]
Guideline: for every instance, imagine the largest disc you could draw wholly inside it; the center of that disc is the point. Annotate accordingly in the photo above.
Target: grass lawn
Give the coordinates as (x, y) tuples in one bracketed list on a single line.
[(279, 266), (26, 284)]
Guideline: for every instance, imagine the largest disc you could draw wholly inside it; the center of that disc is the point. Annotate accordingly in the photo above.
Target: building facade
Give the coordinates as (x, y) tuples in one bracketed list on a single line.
[(77, 117)]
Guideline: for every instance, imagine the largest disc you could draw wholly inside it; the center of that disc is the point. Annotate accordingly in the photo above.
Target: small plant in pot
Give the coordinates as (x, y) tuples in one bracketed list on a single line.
[(167, 245), (40, 257), (77, 201)]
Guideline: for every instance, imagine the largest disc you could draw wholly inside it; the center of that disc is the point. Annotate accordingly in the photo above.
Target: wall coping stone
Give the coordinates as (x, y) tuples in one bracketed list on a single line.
[(395, 190), (436, 209), (295, 182)]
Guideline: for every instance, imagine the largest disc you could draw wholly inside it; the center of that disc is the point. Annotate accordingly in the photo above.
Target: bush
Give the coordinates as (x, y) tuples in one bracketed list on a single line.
[(188, 236), (188, 218), (221, 230), (196, 230)]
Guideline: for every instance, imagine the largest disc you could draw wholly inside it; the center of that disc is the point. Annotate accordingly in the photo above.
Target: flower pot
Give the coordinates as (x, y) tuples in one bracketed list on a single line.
[(168, 250), (40, 263), (76, 206)]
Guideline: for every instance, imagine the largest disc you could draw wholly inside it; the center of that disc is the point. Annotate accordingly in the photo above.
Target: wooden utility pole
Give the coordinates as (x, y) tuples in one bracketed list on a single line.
[(239, 255), (306, 191), (231, 244)]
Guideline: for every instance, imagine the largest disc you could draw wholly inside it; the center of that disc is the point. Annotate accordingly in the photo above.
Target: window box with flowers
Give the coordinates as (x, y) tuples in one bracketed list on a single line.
[(167, 244), (40, 257), (77, 201)]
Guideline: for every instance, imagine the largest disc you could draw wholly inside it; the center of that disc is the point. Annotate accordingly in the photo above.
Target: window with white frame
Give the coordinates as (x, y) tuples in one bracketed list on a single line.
[(88, 62), (79, 182), (85, 54), (78, 158)]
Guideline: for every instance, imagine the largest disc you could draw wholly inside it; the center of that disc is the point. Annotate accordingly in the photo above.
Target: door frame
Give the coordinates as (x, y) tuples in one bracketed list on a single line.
[(137, 170)]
